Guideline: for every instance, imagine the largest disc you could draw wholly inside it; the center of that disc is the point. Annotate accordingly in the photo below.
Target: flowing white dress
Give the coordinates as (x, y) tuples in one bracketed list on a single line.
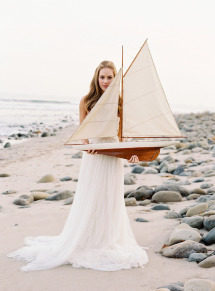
[(97, 233)]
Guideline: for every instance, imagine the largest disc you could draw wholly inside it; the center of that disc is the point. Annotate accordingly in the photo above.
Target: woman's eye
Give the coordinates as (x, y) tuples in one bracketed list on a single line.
[(110, 77)]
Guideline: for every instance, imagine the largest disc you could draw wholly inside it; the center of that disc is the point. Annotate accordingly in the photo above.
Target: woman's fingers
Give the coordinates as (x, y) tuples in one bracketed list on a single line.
[(134, 159)]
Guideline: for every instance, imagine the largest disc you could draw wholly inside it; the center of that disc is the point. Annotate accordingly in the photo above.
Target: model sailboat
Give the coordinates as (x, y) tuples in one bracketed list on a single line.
[(145, 113)]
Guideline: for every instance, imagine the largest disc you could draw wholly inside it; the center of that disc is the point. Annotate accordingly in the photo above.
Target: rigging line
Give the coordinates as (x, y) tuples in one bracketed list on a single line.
[(143, 95)]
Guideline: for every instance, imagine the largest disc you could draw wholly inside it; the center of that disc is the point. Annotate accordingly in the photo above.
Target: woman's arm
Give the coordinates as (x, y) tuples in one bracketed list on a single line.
[(82, 115)]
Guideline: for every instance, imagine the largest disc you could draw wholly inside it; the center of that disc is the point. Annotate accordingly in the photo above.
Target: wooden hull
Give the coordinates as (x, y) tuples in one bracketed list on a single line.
[(143, 153)]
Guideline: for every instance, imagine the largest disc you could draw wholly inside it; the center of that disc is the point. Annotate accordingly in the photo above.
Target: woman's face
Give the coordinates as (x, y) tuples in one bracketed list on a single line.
[(105, 78)]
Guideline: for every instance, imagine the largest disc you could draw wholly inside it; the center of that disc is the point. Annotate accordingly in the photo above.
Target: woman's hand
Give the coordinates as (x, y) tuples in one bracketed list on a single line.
[(134, 159), (86, 141)]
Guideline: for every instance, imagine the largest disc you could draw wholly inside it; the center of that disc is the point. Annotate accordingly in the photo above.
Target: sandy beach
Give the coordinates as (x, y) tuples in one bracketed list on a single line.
[(25, 163)]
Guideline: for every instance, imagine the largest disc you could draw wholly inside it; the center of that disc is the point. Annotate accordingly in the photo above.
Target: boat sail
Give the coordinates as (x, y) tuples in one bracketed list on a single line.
[(145, 113)]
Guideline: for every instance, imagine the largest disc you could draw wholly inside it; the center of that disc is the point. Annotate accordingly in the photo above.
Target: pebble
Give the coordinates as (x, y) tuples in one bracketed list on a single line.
[(40, 195), (45, 134), (150, 171), (9, 192), (196, 257), (199, 191), (197, 209), (21, 201), (130, 201), (199, 285), (183, 211), (161, 207), (172, 215), (208, 263), (166, 196), (194, 221), (77, 155), (4, 175), (203, 199), (145, 202), (210, 237), (29, 198), (129, 180), (173, 187), (210, 174), (67, 178), (137, 169), (208, 213), (184, 232), (140, 219), (183, 249), (193, 196), (141, 193), (60, 195), (179, 170), (173, 287), (47, 179), (69, 201), (7, 145), (206, 185), (209, 222), (198, 181)]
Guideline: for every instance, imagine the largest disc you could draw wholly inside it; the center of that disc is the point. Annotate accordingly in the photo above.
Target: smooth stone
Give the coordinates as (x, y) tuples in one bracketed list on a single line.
[(45, 134), (199, 285), (208, 213), (203, 199), (60, 195), (197, 209), (186, 182), (198, 181), (141, 193), (4, 175), (208, 263), (211, 190), (194, 221), (206, 185), (145, 202), (209, 223), (173, 287), (172, 187), (67, 178), (189, 160), (130, 201), (199, 191), (40, 195), (129, 181), (211, 202), (9, 192), (193, 196), (7, 145), (166, 196), (21, 201), (29, 198), (39, 190), (140, 219), (210, 237), (171, 168), (137, 169), (179, 170), (212, 197), (211, 174), (183, 211), (169, 159), (77, 155), (197, 174), (172, 215), (161, 207), (183, 249), (47, 179), (150, 171), (69, 201), (186, 152), (184, 232), (196, 257)]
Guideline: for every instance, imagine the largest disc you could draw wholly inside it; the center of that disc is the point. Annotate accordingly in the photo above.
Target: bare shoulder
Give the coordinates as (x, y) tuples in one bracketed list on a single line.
[(82, 102)]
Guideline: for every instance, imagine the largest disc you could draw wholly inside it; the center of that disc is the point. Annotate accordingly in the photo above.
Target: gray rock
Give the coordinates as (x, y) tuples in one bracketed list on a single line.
[(21, 201), (199, 191), (196, 257), (9, 192), (130, 201), (182, 233), (140, 219), (172, 215), (179, 170), (193, 196), (211, 190), (47, 179), (171, 168), (212, 197), (45, 134), (203, 199), (29, 198), (206, 185), (150, 171), (166, 196), (4, 175), (208, 263), (141, 193), (7, 145), (210, 237), (172, 287), (67, 178), (198, 181), (77, 155), (197, 209), (60, 195), (137, 169), (69, 201), (173, 187), (169, 159), (129, 181), (183, 249), (40, 195), (199, 285), (194, 221), (183, 211), (161, 207), (209, 223)]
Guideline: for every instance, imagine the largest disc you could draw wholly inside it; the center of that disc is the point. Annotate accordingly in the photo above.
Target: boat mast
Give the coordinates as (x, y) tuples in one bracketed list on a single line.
[(121, 103)]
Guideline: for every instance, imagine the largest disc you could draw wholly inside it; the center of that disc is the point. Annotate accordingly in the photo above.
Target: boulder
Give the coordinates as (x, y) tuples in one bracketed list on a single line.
[(184, 232)]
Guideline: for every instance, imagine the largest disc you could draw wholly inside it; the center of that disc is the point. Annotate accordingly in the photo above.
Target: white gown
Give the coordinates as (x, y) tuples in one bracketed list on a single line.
[(97, 233)]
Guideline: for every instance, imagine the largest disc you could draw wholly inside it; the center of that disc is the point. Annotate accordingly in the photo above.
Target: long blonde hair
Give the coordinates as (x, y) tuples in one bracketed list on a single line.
[(95, 91)]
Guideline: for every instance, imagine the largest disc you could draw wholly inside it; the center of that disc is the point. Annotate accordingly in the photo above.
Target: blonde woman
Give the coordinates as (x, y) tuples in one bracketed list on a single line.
[(97, 233)]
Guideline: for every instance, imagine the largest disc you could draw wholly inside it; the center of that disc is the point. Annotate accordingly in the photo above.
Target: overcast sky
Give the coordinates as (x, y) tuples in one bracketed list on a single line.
[(51, 48)]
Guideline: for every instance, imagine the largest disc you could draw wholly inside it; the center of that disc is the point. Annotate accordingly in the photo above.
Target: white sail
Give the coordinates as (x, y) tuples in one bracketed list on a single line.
[(146, 112), (102, 121)]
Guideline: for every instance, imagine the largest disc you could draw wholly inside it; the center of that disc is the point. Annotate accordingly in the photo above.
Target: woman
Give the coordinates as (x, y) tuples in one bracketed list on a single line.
[(97, 232)]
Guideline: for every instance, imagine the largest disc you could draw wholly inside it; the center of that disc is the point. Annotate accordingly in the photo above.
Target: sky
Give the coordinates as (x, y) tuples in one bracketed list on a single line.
[(50, 48)]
